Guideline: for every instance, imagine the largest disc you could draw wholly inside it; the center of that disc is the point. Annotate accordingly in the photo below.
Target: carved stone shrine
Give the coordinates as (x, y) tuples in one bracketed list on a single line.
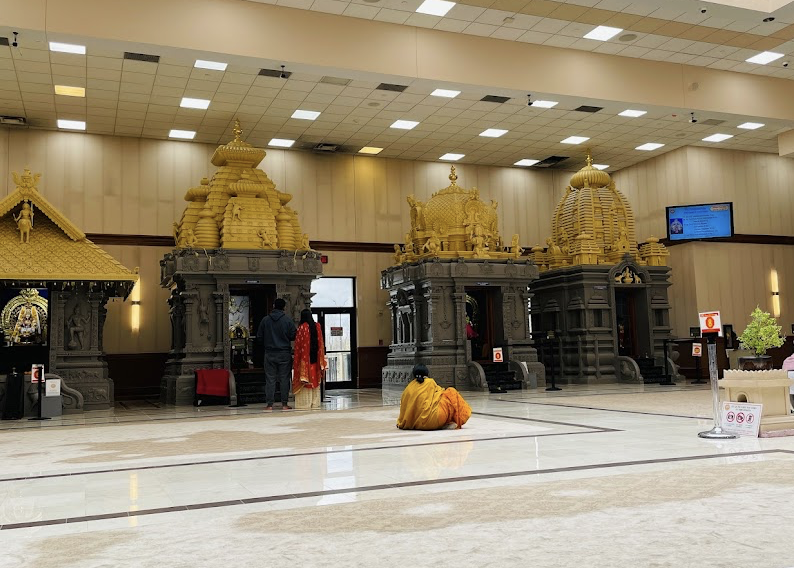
[(456, 292)]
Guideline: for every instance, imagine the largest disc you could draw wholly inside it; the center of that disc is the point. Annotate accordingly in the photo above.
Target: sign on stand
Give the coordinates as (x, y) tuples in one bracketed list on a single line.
[(710, 323), (741, 418), (697, 350), (497, 355), (53, 387)]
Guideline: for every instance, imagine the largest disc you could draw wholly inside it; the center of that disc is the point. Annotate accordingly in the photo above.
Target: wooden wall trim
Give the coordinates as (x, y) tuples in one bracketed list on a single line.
[(742, 239)]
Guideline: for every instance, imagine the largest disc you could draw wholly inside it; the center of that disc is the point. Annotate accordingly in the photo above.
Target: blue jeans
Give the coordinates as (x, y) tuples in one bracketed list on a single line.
[(278, 367)]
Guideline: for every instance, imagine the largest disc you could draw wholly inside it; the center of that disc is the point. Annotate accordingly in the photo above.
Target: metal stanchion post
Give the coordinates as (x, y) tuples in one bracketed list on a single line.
[(668, 378), (39, 381), (717, 432), (699, 380), (553, 386)]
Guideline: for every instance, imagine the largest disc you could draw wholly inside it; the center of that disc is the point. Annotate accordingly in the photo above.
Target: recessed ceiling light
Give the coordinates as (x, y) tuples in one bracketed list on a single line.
[(281, 143), (370, 150), (600, 166), (452, 157), (769, 19), (575, 140), (544, 104), (71, 124), (69, 91), (305, 114), (764, 57), (493, 133), (214, 65), (603, 33), (404, 124), (526, 162), (751, 125), (187, 102), (649, 146), (67, 47), (435, 7), (632, 113), (717, 137), (445, 93), (183, 134)]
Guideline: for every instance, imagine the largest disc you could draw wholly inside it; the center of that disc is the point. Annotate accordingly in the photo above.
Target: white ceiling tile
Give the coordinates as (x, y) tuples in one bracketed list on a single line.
[(392, 16), (361, 11), (450, 25), (480, 29)]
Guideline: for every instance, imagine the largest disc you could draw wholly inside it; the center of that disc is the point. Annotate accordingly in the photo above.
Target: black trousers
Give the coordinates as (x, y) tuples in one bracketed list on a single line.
[(278, 367)]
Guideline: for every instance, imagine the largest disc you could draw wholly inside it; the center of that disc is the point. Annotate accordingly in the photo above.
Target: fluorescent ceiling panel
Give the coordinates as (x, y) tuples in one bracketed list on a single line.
[(751, 125), (575, 140), (544, 104), (452, 157), (214, 65), (71, 124), (526, 162), (717, 137), (493, 133), (764, 57), (435, 7), (305, 114), (67, 48), (69, 91), (600, 166), (649, 146), (183, 134), (281, 143), (603, 33), (370, 150), (632, 113), (404, 124), (446, 93), (187, 102)]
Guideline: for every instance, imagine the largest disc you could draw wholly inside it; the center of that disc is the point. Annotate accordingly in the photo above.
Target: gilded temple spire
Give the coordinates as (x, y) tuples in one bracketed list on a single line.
[(453, 177), (237, 130), (589, 158)]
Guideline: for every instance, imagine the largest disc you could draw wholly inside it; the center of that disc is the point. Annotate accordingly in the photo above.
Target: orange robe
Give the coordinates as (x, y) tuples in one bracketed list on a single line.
[(306, 374), (427, 406)]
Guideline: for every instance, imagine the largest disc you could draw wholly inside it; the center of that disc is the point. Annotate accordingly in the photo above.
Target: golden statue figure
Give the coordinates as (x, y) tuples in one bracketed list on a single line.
[(409, 245), (622, 244), (554, 249), (264, 239), (398, 254), (176, 233), (515, 248), (236, 210), (24, 222), (433, 244), (417, 216), (190, 239), (28, 325), (305, 243)]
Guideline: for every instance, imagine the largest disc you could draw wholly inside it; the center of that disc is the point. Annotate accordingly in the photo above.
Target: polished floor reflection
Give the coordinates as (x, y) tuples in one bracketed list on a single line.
[(608, 476)]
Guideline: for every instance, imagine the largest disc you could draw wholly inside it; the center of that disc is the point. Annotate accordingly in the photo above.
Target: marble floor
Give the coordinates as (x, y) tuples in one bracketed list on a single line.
[(602, 477)]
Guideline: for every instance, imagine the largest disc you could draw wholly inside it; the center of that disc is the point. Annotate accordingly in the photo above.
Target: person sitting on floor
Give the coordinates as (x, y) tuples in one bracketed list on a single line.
[(426, 406)]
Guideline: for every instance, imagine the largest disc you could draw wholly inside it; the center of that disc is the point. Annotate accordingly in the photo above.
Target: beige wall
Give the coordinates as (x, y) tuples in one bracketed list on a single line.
[(732, 278), (133, 186)]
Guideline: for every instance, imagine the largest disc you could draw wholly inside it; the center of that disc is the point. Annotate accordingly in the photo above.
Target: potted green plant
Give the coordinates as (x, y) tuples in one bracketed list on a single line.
[(760, 335)]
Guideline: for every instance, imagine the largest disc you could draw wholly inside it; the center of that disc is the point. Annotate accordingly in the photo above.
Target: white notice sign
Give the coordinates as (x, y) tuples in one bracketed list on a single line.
[(710, 322), (497, 355), (741, 418), (53, 387), (697, 350)]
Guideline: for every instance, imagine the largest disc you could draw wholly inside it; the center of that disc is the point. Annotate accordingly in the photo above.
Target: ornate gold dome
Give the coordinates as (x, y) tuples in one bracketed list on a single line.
[(590, 176), (237, 152)]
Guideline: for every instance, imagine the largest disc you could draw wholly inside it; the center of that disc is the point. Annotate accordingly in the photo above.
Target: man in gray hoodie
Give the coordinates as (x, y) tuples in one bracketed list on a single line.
[(276, 331)]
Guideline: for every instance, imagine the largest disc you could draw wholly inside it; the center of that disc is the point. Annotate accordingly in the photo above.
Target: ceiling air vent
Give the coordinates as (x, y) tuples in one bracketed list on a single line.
[(712, 122), (551, 161), (13, 120), (339, 81), (3, 41), (586, 108), (390, 87), (141, 57), (495, 99), (277, 73), (325, 147)]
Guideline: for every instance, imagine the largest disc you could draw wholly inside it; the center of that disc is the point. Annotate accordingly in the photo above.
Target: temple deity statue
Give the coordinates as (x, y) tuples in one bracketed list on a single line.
[(398, 254), (24, 222), (77, 323), (28, 325), (433, 244)]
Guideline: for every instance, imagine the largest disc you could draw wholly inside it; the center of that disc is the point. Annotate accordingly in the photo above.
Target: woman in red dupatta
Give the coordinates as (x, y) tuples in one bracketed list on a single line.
[(309, 364)]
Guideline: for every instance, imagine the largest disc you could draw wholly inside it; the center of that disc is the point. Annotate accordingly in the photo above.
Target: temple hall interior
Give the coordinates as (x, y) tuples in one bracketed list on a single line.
[(396, 283)]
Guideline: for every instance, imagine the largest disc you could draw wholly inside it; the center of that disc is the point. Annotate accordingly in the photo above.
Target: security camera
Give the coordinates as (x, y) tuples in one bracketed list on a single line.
[(785, 64), (282, 75), (692, 118), (702, 10), (15, 43), (529, 97)]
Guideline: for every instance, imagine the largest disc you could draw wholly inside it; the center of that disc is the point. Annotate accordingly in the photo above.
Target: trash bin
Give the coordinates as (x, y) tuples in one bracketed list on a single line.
[(14, 400)]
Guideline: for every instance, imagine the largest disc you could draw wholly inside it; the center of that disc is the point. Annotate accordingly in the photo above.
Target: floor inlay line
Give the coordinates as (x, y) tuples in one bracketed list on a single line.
[(605, 409), (367, 488)]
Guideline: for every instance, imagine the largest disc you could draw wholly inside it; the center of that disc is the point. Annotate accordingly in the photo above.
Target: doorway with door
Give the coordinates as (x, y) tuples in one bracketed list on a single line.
[(334, 308)]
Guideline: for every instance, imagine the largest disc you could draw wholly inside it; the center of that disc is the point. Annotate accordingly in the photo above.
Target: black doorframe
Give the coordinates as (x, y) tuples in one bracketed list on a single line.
[(321, 313)]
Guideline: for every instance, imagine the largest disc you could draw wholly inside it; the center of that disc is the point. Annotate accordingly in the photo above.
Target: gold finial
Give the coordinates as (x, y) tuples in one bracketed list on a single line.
[(238, 132), (589, 158), (453, 177)]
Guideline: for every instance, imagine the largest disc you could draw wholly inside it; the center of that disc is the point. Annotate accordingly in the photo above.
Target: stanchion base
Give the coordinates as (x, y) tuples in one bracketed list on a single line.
[(717, 434), (699, 383), (237, 405), (39, 418), (668, 384), (553, 389)]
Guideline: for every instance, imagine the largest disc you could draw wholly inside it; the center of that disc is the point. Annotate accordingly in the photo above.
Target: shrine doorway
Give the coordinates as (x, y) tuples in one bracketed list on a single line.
[(248, 305), (483, 313), (631, 322)]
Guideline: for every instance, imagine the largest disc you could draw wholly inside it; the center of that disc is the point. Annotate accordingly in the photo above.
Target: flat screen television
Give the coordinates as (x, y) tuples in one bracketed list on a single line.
[(706, 221)]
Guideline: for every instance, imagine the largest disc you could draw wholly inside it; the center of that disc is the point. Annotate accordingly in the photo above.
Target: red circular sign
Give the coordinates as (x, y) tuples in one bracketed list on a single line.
[(740, 417), (730, 416), (710, 322)]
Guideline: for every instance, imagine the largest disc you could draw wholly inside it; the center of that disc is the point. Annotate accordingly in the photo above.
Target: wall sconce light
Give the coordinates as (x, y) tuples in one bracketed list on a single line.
[(775, 293), (135, 310)]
